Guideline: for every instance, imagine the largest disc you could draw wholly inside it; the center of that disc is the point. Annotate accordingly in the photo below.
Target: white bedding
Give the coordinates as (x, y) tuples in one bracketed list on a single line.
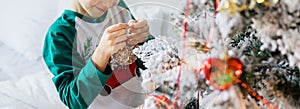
[(25, 82), (31, 92)]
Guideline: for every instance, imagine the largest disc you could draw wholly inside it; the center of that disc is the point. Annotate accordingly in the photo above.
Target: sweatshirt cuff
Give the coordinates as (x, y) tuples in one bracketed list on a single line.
[(90, 67)]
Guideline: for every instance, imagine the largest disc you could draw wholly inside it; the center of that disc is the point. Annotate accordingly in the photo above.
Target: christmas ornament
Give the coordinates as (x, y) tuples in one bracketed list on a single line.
[(222, 74), (122, 58), (163, 102)]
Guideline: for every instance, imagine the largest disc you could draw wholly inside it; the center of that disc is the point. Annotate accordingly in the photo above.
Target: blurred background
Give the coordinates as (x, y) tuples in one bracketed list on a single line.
[(25, 81)]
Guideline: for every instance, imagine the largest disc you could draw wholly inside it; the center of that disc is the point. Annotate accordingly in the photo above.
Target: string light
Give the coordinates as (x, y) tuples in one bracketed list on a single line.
[(233, 7), (275, 1), (256, 96), (260, 1)]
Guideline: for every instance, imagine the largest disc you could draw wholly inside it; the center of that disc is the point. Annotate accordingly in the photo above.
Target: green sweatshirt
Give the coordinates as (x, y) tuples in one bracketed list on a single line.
[(69, 44)]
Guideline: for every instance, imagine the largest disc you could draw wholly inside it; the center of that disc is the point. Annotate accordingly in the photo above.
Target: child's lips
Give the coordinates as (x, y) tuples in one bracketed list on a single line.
[(100, 9)]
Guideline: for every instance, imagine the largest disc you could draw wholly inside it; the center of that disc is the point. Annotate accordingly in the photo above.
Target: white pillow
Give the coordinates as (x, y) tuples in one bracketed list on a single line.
[(24, 23), (14, 65), (34, 91)]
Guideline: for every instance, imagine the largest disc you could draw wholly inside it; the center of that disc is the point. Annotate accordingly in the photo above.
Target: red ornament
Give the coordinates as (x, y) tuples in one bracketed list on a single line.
[(221, 74)]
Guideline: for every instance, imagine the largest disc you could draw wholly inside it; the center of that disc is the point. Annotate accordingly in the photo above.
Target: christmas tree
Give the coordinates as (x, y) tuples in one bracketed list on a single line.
[(228, 54)]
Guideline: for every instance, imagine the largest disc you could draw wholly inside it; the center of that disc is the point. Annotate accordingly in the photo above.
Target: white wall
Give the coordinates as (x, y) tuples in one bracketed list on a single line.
[(23, 24)]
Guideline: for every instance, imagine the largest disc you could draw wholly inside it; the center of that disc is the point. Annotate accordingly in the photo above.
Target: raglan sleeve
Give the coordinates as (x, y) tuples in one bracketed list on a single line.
[(78, 83)]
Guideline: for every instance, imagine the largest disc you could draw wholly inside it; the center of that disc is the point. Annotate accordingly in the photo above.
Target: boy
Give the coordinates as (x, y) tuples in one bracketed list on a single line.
[(77, 50)]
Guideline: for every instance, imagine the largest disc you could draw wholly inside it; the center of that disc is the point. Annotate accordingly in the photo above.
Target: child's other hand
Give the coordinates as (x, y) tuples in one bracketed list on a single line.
[(139, 31)]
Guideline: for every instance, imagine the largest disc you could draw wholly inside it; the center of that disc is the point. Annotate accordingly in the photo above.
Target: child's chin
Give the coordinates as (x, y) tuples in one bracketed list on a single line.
[(95, 15)]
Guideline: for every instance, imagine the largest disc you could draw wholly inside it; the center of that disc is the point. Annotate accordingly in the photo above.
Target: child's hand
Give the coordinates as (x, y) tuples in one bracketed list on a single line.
[(113, 39), (139, 31)]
